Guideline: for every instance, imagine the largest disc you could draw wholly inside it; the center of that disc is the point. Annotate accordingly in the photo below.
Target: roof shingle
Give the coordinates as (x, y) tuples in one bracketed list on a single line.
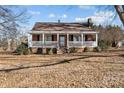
[(51, 26)]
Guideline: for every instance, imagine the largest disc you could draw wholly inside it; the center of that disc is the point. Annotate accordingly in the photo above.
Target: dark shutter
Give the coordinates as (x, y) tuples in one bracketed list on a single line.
[(38, 37), (70, 37)]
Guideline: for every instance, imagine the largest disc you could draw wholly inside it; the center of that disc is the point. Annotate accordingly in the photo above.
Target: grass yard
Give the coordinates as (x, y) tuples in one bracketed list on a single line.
[(89, 69)]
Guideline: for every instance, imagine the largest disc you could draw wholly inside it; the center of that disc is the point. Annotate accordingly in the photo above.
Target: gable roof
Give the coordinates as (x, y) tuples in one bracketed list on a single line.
[(52, 26)]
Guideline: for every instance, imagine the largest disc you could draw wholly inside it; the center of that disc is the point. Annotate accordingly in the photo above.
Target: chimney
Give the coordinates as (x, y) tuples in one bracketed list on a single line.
[(90, 24), (59, 21)]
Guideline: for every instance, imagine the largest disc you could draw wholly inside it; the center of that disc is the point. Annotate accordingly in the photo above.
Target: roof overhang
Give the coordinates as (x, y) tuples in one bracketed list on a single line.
[(63, 32)]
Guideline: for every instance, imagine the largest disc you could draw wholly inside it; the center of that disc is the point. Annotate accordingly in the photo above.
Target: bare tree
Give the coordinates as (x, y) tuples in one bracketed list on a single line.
[(4, 44), (110, 34), (120, 11), (117, 9), (10, 21)]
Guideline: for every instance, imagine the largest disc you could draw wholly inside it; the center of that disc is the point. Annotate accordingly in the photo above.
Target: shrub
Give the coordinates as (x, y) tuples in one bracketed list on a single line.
[(85, 49), (72, 50), (22, 49), (88, 49), (48, 50), (103, 44), (5, 48), (51, 50), (54, 50), (39, 50), (4, 44), (97, 49)]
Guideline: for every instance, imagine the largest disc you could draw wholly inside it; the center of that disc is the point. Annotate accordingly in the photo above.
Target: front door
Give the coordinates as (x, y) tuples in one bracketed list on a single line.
[(62, 41)]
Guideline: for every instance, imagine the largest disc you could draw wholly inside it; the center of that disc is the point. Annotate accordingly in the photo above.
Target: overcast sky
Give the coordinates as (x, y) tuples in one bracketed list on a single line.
[(52, 13)]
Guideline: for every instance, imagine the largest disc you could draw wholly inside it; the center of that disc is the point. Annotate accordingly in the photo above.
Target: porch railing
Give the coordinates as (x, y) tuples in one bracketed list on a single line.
[(70, 43), (89, 43), (75, 43), (37, 43), (80, 43), (50, 43), (46, 43)]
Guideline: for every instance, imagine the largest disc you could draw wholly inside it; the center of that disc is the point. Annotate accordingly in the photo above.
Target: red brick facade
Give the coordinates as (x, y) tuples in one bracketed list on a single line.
[(35, 37)]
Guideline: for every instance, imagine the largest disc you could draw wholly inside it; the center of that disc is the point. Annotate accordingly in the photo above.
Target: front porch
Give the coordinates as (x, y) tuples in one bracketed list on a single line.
[(42, 39)]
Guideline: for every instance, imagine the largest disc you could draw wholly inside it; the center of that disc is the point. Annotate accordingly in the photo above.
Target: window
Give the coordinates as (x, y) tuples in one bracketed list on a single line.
[(76, 38), (90, 37), (70, 37), (49, 38)]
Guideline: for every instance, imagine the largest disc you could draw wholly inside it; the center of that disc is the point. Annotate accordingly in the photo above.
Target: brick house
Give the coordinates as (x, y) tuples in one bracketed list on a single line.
[(58, 35)]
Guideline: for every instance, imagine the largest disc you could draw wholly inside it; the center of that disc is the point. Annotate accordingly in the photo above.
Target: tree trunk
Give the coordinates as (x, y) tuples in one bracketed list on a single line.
[(120, 12)]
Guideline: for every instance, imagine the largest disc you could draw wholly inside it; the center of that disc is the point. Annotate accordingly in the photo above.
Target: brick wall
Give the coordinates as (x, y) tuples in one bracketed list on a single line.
[(54, 37), (35, 37)]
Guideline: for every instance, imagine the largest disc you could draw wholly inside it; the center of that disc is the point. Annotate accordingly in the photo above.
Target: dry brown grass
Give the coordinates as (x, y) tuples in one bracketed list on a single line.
[(69, 70)]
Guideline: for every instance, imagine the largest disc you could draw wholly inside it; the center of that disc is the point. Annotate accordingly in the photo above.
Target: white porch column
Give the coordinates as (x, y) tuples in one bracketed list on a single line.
[(58, 40), (30, 41), (40, 40), (82, 38), (96, 39), (43, 39), (67, 41)]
